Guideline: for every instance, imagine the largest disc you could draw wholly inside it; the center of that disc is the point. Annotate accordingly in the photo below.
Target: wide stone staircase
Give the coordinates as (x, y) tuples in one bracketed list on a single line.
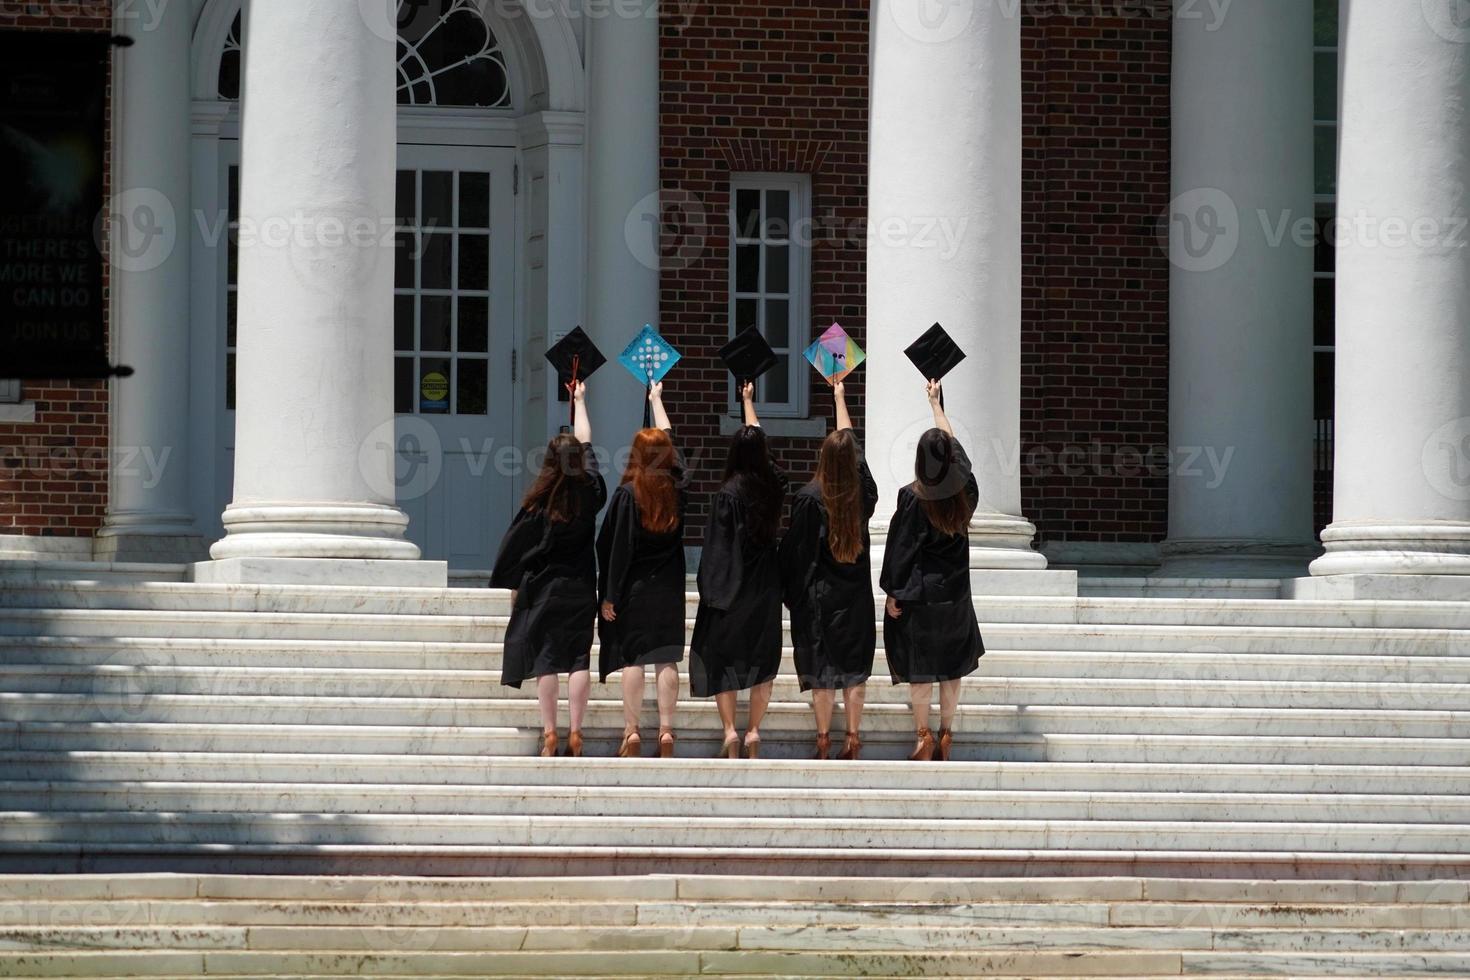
[(156, 726)]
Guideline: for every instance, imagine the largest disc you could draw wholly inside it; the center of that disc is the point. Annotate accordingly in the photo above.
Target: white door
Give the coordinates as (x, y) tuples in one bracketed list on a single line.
[(454, 331)]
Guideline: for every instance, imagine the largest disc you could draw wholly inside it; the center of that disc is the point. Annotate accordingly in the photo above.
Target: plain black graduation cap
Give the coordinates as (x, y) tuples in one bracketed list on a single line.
[(748, 356), (575, 356), (935, 354)]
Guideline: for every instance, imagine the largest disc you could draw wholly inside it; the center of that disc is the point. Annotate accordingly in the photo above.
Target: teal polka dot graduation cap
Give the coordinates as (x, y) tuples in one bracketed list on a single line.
[(649, 357)]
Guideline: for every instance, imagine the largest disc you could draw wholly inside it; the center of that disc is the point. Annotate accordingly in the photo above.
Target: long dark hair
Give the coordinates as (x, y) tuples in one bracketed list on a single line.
[(840, 483), (751, 474), (940, 482), (650, 473), (563, 471)]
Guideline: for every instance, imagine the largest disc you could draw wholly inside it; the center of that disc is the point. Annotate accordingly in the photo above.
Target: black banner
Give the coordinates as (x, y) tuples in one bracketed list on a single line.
[(53, 101)]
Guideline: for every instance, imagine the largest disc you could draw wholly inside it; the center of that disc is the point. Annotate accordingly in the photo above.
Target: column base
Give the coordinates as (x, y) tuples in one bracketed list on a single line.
[(323, 571), (1002, 561), (1375, 548), (1412, 588), (148, 537), (1237, 558), (315, 530)]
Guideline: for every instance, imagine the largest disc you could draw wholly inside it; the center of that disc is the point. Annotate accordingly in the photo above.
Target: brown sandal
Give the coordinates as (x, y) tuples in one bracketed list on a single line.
[(752, 745), (574, 744), (924, 750), (824, 745), (731, 748), (665, 743), (632, 746), (548, 743), (946, 740), (851, 746)]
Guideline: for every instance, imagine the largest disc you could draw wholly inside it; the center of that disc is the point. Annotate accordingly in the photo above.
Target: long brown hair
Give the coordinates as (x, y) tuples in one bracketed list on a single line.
[(840, 483), (940, 483), (562, 471), (650, 472)]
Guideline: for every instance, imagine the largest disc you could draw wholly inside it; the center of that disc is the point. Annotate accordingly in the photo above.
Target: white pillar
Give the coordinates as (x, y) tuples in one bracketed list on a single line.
[(314, 457), (1240, 292), (622, 205), (148, 508), (944, 209), (1402, 503)]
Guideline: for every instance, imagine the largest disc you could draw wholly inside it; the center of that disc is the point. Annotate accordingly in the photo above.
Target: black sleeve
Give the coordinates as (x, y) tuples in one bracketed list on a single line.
[(523, 542), (972, 488), (800, 549), (902, 578), (870, 490), (722, 564), (615, 546), (598, 495)]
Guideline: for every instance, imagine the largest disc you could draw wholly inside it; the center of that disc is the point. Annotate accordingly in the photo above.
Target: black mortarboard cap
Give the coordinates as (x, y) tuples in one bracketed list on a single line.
[(935, 354), (748, 356), (575, 354)]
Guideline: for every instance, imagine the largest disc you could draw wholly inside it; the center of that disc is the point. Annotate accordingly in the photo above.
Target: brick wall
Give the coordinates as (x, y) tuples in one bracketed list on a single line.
[(53, 471), (1095, 321), (783, 87)]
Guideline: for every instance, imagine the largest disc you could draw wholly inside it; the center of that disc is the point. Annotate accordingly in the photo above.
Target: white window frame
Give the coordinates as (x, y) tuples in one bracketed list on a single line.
[(799, 186), (9, 391)]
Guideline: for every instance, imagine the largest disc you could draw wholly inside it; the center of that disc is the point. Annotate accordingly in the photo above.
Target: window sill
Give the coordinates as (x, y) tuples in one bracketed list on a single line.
[(782, 428), (18, 412)]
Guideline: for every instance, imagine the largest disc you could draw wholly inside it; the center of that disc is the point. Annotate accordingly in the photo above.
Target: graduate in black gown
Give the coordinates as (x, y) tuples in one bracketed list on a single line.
[(640, 559), (548, 561), (930, 633), (737, 630), (828, 581)]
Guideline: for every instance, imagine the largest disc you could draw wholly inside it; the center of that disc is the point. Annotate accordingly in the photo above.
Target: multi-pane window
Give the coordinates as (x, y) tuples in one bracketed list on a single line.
[(770, 274), (441, 293), (9, 391), (1324, 339)]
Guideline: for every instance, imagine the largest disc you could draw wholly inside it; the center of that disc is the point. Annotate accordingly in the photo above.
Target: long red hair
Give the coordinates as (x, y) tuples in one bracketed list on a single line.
[(650, 472)]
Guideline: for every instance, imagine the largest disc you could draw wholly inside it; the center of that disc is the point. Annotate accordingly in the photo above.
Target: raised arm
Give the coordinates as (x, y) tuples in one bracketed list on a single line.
[(581, 427), (747, 399), (936, 404), (656, 402), (839, 398)]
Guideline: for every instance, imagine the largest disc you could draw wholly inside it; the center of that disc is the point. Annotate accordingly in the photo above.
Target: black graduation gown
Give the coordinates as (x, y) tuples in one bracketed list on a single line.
[(831, 603), (642, 574), (937, 638), (737, 630), (553, 566)]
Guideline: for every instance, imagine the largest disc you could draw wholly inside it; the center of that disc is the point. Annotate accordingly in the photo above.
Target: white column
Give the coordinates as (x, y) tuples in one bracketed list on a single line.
[(148, 508), (1402, 502), (622, 205), (1240, 292), (944, 244), (314, 458)]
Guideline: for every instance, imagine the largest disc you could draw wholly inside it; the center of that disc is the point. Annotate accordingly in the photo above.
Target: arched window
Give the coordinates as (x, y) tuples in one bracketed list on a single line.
[(447, 56)]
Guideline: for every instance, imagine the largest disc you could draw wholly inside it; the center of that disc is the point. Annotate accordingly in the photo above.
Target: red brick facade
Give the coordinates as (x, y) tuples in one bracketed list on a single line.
[(783, 87), (53, 471)]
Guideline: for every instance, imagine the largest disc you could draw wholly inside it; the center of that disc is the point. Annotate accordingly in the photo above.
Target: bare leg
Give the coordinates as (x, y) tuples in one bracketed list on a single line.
[(666, 679), (852, 705), (546, 691), (823, 702), (949, 699), (578, 686), (919, 697), (632, 698), (725, 701), (760, 697)]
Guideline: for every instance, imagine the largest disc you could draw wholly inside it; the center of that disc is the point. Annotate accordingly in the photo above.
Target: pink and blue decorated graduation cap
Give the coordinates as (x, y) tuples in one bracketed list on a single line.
[(835, 355), (649, 357)]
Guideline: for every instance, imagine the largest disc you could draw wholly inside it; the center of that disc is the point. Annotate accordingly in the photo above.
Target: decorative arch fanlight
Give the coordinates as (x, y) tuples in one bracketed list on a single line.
[(447, 56)]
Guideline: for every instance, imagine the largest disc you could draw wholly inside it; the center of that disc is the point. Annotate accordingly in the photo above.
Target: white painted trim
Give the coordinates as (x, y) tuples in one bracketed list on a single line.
[(9, 391), (781, 428)]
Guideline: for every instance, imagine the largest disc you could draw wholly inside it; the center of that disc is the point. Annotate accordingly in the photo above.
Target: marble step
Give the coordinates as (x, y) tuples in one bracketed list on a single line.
[(61, 795), (703, 742), (697, 775), (982, 688), (45, 617), (998, 661), (104, 829), (976, 721)]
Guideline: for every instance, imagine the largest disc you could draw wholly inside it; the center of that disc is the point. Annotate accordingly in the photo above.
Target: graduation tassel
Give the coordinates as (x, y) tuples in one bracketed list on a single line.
[(647, 408), (572, 393)]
